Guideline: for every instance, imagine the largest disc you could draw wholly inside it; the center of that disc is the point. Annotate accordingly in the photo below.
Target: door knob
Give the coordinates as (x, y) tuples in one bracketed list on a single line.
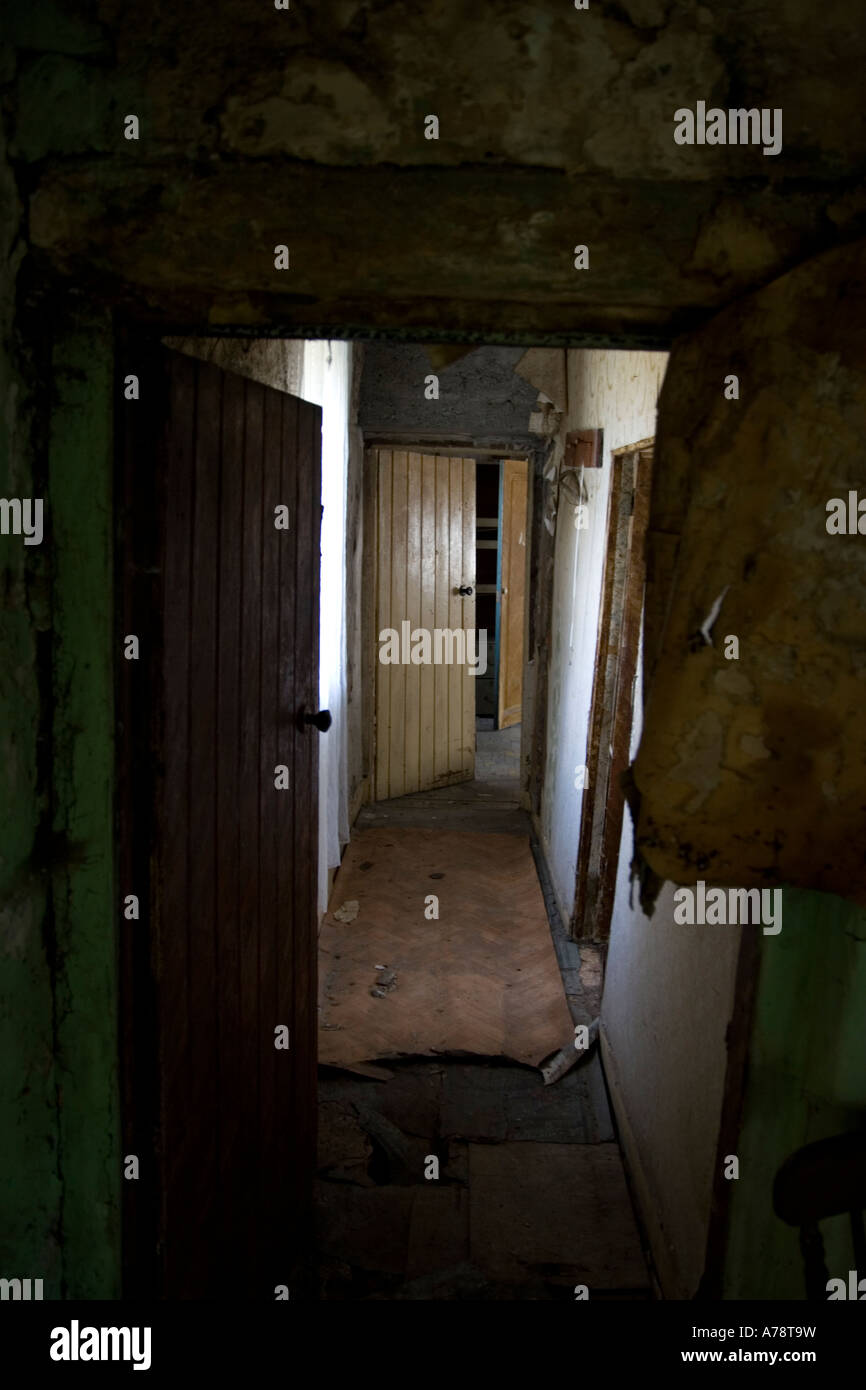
[(465, 590), (322, 720)]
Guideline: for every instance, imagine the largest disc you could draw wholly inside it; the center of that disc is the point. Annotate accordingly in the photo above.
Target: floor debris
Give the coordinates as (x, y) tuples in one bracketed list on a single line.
[(530, 1197), (569, 1056)]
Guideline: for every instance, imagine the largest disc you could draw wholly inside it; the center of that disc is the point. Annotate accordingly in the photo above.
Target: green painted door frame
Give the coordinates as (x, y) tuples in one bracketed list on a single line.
[(59, 1131)]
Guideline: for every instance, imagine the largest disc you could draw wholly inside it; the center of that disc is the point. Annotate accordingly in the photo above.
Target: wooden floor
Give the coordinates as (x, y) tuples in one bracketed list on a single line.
[(493, 806), (482, 980)]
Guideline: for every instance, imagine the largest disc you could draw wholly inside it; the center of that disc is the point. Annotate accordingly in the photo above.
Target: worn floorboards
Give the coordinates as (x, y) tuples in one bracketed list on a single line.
[(489, 806)]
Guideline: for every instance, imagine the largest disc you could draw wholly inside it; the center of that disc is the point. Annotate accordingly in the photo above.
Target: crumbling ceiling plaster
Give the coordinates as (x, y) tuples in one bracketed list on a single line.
[(306, 128)]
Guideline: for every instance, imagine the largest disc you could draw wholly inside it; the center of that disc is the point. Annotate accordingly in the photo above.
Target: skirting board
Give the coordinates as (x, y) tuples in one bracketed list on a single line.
[(663, 1256), (550, 886), (360, 798)]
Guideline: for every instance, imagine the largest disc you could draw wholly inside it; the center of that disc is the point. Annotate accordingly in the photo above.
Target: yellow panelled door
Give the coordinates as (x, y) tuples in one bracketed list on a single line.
[(515, 474), (425, 552)]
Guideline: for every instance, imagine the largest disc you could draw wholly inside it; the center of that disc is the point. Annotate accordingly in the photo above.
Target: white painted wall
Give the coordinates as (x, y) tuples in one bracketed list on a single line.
[(668, 998), (326, 380), (668, 990), (617, 392)]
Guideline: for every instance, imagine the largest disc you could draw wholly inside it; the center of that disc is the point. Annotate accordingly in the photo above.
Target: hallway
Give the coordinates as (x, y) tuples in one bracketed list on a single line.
[(447, 1169), (355, 388)]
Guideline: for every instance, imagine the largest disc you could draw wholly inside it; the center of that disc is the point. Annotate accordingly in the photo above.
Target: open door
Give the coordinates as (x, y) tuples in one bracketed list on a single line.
[(512, 590), (218, 828), (425, 555)]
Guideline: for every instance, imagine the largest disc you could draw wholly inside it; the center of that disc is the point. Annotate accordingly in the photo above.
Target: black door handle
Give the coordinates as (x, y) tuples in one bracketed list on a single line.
[(465, 590), (322, 720)]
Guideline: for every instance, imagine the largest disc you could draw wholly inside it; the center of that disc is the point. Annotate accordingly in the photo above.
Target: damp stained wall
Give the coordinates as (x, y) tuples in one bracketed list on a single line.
[(773, 795), (60, 1155), (480, 397), (751, 761), (31, 1186), (669, 998), (305, 127)]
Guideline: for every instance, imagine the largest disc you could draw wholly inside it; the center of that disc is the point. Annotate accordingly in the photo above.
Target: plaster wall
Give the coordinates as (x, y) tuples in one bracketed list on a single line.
[(668, 994), (617, 392), (480, 397), (305, 127), (59, 913), (668, 999), (744, 772)]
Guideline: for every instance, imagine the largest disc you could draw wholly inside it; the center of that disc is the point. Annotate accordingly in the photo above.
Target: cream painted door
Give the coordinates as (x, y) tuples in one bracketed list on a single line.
[(512, 590), (425, 551)]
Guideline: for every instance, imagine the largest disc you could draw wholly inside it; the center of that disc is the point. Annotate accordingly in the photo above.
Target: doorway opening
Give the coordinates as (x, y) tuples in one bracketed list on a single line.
[(450, 989), (448, 562), (502, 527), (354, 730)]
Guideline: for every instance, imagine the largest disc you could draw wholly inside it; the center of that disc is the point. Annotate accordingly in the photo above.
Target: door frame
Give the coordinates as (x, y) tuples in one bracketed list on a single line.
[(612, 706), (497, 636), (482, 454), (527, 570)]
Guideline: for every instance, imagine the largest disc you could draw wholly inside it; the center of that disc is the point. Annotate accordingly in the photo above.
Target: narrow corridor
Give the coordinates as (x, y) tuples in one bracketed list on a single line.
[(447, 1169)]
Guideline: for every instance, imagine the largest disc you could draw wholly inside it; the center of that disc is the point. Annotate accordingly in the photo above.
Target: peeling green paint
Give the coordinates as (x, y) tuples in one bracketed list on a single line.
[(59, 1139), (50, 27), (81, 464), (30, 1190), (79, 103), (805, 1081)]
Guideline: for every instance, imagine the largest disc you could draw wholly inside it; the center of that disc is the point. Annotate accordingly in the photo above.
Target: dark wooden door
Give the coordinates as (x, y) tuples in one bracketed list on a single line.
[(218, 828)]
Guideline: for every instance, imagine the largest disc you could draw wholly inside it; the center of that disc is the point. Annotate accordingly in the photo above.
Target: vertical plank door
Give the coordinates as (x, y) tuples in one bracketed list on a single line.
[(425, 551), (224, 955), (512, 590)]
